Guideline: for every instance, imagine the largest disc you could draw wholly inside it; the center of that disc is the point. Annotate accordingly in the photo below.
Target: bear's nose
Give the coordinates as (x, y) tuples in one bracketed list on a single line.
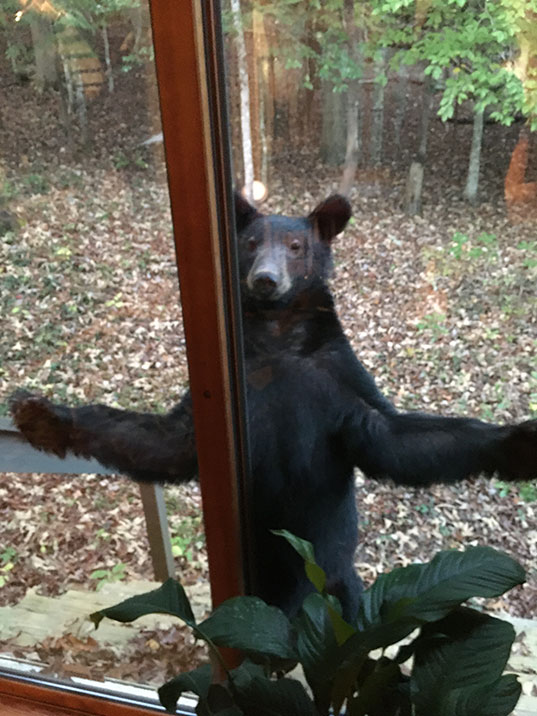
[(265, 283)]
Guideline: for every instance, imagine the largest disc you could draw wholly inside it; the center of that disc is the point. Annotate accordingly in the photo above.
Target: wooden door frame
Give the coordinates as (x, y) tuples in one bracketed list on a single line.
[(189, 59)]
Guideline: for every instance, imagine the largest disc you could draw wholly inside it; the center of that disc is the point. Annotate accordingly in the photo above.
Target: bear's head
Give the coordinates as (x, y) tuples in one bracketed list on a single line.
[(280, 256)]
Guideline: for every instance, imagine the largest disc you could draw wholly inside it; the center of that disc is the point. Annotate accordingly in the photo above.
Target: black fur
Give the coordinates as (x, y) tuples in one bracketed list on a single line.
[(315, 414)]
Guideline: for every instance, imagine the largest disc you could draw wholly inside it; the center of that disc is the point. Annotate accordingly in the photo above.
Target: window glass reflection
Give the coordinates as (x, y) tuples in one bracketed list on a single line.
[(90, 315), (422, 116)]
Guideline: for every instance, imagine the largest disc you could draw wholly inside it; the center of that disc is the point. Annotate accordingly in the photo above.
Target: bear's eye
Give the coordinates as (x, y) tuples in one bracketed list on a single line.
[(295, 245), (252, 244)]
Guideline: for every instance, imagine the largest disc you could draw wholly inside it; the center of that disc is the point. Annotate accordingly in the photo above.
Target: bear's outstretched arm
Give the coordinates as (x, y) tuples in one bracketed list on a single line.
[(148, 448), (419, 449)]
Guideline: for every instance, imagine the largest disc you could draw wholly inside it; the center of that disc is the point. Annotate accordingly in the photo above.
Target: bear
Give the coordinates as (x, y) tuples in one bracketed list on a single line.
[(314, 412)]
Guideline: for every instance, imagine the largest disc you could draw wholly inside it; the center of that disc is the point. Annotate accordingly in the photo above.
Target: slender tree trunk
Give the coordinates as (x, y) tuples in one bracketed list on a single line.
[(81, 108), (353, 142), (242, 64), (108, 62), (44, 50), (401, 101), (426, 107), (265, 110), (353, 106), (377, 124), (472, 180), (413, 188), (333, 141)]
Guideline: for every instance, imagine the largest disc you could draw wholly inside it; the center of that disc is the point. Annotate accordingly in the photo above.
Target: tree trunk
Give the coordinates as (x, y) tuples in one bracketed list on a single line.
[(108, 61), (81, 109), (333, 142), (44, 50), (426, 106), (377, 124), (265, 103), (353, 142), (353, 104), (246, 132), (401, 101), (472, 181), (413, 188)]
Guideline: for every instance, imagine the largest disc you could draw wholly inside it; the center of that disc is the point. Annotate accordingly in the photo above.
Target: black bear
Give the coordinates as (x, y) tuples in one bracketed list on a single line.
[(315, 414)]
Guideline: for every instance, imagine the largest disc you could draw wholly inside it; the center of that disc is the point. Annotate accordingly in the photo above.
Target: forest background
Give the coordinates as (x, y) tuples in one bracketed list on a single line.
[(423, 112)]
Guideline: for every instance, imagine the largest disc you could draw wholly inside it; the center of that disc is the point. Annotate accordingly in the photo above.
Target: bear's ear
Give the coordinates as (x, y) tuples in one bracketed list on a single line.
[(245, 213), (331, 216)]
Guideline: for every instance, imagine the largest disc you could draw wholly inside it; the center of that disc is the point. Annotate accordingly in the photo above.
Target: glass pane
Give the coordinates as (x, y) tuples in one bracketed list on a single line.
[(434, 283), (90, 315)]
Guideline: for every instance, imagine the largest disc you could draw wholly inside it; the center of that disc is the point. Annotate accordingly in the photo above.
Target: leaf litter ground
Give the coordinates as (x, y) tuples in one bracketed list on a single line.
[(441, 308)]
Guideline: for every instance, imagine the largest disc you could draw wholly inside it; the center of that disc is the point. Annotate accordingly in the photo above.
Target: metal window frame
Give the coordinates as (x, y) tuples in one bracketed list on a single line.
[(189, 59)]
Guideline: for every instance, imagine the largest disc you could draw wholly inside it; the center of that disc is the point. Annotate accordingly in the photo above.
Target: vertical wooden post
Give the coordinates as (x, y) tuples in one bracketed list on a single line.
[(189, 65)]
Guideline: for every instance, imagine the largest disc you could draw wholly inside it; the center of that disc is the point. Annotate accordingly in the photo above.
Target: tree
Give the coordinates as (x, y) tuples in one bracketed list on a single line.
[(246, 129), (462, 45)]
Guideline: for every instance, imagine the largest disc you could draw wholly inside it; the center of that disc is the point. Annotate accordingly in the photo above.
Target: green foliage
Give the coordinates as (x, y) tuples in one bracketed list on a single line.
[(105, 576), (138, 58), (186, 535), (458, 654), (465, 47), (526, 491), (530, 249), (36, 184), (462, 246), (8, 557), (434, 323)]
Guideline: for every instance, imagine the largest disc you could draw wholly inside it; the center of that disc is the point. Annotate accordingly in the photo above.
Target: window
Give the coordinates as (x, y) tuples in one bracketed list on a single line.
[(195, 186), (421, 115)]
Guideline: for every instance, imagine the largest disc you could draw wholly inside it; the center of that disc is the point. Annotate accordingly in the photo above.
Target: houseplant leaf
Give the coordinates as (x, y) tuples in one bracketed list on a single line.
[(315, 574), (247, 623), (426, 592), (196, 681), (450, 674), (258, 695), (170, 598)]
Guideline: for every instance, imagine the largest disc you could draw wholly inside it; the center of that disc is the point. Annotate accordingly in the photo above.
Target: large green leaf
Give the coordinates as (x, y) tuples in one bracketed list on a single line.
[(258, 695), (458, 665), (426, 592), (317, 577), (315, 574), (247, 623), (196, 681), (331, 668), (497, 699), (170, 598), (219, 702), (380, 692), (317, 647), (503, 697)]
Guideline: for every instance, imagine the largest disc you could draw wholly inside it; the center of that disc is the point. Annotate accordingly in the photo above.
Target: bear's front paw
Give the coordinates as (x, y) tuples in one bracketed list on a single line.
[(522, 443), (45, 426)]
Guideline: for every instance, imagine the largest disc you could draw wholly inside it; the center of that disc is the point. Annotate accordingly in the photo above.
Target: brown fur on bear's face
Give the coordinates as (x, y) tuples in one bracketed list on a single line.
[(281, 256)]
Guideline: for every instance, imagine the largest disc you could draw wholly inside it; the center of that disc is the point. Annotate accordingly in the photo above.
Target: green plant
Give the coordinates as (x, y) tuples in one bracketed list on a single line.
[(457, 244), (105, 576), (8, 558), (185, 535), (462, 246), (120, 160), (36, 184), (458, 654), (435, 323), (526, 491)]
